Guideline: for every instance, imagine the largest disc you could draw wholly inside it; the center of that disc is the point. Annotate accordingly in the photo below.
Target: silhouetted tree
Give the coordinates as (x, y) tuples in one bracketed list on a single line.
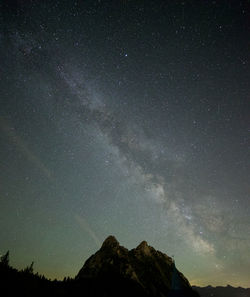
[(29, 269), (5, 259)]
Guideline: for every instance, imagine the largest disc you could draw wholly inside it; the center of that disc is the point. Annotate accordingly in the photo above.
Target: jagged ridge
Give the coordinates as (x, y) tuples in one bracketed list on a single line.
[(152, 271)]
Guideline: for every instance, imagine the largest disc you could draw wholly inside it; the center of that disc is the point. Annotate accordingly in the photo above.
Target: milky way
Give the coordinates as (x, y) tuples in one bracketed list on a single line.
[(122, 118)]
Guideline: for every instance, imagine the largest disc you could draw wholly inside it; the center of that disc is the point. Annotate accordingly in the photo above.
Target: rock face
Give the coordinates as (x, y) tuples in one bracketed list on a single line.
[(142, 271)]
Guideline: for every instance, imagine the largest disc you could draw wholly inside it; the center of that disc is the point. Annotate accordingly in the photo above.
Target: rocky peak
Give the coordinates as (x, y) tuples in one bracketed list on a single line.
[(143, 244), (144, 248), (143, 268), (110, 243)]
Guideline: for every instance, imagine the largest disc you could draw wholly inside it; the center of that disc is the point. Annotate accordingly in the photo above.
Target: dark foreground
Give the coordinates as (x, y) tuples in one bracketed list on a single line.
[(26, 283), (113, 271)]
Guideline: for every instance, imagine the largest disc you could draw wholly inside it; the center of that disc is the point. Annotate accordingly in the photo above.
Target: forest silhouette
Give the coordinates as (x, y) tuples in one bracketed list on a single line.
[(26, 282)]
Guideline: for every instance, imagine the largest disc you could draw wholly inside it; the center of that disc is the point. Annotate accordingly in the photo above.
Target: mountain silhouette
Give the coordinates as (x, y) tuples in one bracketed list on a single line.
[(220, 291), (113, 271), (118, 271)]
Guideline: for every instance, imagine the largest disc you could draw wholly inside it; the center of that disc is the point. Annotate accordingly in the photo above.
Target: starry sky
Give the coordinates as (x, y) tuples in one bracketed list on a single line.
[(128, 118)]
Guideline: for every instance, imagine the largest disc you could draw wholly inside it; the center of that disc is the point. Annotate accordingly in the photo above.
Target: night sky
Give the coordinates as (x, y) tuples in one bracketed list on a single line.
[(128, 118)]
